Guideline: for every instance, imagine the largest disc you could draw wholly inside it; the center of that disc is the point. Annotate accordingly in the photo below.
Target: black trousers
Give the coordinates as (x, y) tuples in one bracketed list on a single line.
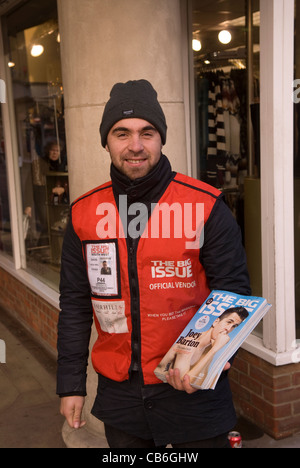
[(119, 439)]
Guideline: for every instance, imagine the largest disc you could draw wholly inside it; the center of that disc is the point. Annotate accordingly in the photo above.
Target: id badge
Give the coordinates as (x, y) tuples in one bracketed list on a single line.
[(103, 269)]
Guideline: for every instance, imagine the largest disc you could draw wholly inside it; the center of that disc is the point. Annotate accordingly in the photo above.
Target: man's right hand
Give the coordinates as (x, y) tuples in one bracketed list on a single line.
[(71, 409)]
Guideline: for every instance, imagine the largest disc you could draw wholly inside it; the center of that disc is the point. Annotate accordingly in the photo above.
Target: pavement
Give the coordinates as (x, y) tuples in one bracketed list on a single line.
[(29, 407)]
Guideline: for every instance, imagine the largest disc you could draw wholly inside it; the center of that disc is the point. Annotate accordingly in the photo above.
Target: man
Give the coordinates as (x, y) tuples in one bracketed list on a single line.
[(157, 284), (105, 270)]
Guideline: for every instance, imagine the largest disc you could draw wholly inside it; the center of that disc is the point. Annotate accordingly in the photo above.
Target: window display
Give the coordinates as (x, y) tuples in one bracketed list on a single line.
[(226, 79), (39, 114)]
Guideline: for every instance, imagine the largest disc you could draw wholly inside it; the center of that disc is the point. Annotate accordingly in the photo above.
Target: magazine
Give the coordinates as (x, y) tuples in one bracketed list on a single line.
[(212, 336)]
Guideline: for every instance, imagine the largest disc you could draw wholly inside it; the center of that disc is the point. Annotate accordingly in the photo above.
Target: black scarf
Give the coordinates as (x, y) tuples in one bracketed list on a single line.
[(147, 190)]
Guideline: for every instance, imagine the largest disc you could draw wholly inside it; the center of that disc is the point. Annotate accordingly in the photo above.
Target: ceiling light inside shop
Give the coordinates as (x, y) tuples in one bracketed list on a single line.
[(224, 36), (37, 50), (196, 44)]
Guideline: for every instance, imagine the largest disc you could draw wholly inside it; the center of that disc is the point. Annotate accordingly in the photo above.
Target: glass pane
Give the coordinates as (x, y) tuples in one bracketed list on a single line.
[(226, 72), (297, 164), (39, 109), (5, 226)]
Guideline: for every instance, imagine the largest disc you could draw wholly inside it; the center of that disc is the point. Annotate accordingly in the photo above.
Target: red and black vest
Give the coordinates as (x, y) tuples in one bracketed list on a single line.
[(162, 277)]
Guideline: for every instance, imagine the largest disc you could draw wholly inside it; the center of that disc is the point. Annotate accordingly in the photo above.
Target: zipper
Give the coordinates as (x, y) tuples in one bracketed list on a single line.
[(135, 305)]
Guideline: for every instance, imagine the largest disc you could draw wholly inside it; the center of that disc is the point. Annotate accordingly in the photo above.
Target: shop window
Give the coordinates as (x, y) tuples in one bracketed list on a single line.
[(34, 51), (297, 163), (5, 225), (226, 75)]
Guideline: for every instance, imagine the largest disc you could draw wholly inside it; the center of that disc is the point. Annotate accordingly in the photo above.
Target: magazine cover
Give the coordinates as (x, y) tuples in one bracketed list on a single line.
[(213, 335)]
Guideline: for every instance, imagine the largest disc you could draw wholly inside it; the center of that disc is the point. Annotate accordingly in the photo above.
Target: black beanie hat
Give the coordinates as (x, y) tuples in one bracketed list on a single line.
[(134, 99)]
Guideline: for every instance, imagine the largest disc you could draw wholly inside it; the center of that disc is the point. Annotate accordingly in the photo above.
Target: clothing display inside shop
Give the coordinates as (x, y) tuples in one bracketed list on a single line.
[(45, 180), (44, 126), (222, 114), (222, 127)]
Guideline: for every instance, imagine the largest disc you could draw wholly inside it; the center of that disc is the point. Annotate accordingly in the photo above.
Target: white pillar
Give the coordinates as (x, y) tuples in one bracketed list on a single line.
[(277, 61), (104, 42)]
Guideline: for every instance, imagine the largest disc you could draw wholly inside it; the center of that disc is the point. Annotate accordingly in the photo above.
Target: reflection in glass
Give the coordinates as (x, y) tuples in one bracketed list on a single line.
[(227, 109), (5, 225), (39, 109)]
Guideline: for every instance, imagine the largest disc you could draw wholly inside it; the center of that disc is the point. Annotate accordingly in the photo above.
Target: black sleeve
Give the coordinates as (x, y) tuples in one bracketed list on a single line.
[(75, 318), (222, 255)]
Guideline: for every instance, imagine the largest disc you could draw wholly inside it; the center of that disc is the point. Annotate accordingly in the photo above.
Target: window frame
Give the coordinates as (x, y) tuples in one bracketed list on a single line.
[(277, 344), (16, 265)]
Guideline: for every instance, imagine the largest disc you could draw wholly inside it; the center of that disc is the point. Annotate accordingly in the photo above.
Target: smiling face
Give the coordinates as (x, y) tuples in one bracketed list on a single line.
[(226, 325), (134, 146)]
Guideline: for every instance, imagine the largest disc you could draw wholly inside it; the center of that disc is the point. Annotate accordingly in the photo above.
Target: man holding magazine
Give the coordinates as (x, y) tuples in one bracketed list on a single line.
[(192, 355), (158, 279)]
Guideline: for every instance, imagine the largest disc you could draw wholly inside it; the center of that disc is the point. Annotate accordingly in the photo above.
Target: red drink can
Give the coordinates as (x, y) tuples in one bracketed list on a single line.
[(235, 439)]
